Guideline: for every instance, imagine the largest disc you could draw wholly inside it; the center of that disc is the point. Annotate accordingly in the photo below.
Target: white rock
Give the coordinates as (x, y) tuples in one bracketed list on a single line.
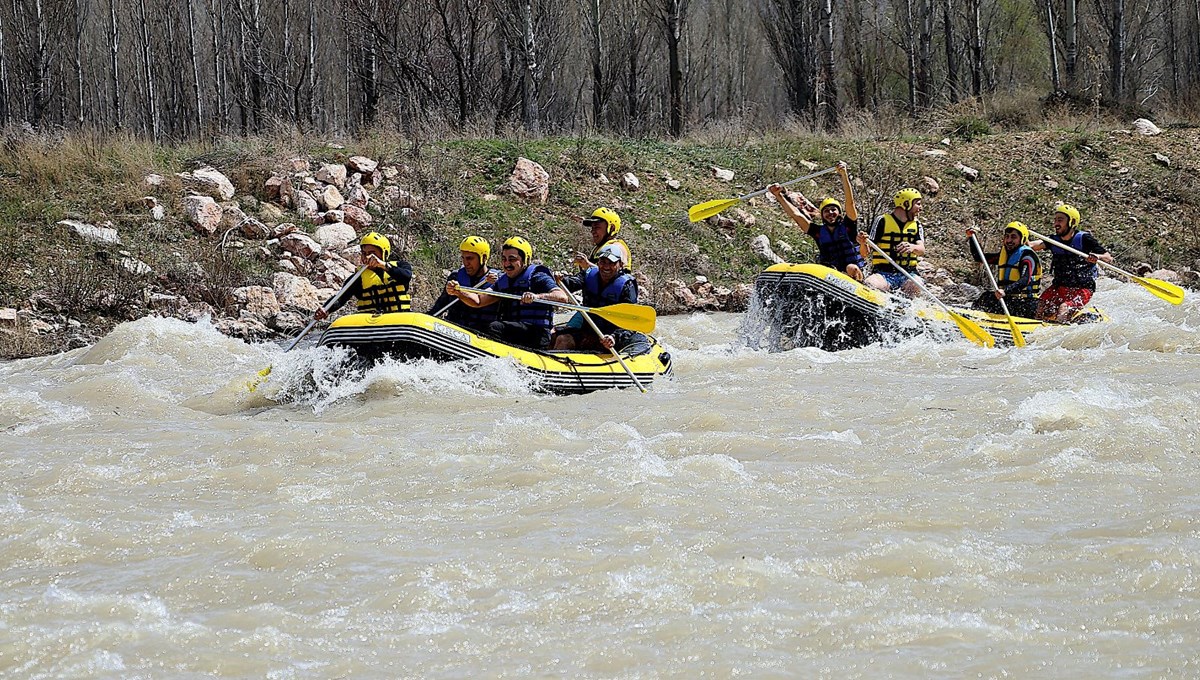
[(808, 165), (304, 203), (203, 213), (295, 291), (135, 266), (258, 302), (154, 179), (936, 152), (208, 181), (722, 174), (1145, 127), (332, 173), (357, 217), (335, 235), (362, 164), (630, 182), (330, 198), (300, 245), (674, 184), (761, 246), (91, 232), (8, 316), (530, 181)]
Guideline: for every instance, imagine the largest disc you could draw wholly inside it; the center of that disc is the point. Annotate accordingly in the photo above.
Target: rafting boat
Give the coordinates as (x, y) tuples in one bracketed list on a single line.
[(810, 305), (409, 335)]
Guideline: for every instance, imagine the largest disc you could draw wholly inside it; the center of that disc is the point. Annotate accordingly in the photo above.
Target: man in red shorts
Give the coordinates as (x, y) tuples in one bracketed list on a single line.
[(1074, 276)]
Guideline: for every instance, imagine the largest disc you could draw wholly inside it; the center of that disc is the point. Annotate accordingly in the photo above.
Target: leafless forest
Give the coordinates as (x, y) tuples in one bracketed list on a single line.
[(171, 69)]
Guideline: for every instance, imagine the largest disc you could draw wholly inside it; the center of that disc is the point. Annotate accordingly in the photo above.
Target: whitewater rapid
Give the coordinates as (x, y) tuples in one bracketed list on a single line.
[(914, 510)]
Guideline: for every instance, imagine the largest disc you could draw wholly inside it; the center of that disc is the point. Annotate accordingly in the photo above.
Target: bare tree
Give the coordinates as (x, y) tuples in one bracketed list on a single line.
[(829, 65), (671, 16), (788, 28)]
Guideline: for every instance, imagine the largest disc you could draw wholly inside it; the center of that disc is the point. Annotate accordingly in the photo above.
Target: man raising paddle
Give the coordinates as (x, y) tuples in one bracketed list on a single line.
[(1074, 276), (835, 233)]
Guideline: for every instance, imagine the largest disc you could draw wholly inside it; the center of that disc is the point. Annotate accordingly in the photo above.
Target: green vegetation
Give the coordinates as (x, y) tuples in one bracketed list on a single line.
[(1142, 208)]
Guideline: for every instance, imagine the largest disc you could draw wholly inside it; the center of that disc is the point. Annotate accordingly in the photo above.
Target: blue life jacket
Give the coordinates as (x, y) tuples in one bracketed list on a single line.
[(593, 296), (836, 247), (537, 313), (466, 315), (1069, 269), (1008, 271)]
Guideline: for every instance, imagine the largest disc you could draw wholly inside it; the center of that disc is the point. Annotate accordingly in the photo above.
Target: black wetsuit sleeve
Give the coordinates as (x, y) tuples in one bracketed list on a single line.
[(1027, 267), (401, 271), (990, 258), (1091, 245), (345, 297), (443, 299), (573, 283), (630, 292)]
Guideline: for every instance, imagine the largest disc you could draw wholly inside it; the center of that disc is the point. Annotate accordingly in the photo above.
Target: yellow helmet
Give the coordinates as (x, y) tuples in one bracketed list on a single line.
[(905, 197), (475, 244), (1070, 211), (609, 216), (374, 238), (831, 201), (518, 243), (1020, 228)]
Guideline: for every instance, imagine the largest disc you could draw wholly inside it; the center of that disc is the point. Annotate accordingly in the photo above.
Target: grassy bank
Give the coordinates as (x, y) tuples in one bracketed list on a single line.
[(1145, 210)]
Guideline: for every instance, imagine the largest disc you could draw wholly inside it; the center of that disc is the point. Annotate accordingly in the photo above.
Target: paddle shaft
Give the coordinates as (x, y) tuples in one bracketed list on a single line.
[(1018, 339), (790, 182), (345, 287), (613, 349), (915, 280), (964, 324), (510, 296), (443, 309), (1080, 253)]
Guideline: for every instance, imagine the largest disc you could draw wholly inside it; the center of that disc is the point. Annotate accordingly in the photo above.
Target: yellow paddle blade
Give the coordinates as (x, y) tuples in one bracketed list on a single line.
[(1163, 289), (973, 331), (629, 316), (254, 383), (703, 211), (1018, 338)]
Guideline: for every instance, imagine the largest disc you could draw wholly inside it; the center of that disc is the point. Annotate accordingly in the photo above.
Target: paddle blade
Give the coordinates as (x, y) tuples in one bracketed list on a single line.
[(629, 316), (1167, 291), (1018, 338), (973, 331), (703, 211), (262, 376)]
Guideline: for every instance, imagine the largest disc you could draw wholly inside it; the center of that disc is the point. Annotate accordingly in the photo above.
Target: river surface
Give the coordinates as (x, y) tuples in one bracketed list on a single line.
[(911, 511)]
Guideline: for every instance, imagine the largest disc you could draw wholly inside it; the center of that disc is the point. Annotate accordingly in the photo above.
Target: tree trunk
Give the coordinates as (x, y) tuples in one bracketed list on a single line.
[(976, 50), (951, 53), (312, 62), (40, 61), (674, 26), (910, 55), (1071, 42), (598, 84), (1051, 33), (1173, 47), (80, 21), (114, 48), (531, 116), (829, 66), (191, 26), (148, 73), (632, 110), (1116, 53), (854, 50), (4, 93), (925, 54)]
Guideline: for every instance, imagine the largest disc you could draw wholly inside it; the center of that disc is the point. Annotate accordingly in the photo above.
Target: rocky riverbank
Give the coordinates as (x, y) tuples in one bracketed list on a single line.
[(257, 243)]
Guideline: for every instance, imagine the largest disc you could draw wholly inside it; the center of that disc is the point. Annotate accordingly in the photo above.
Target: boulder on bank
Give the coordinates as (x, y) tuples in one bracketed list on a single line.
[(203, 213), (90, 232), (208, 181), (530, 182)]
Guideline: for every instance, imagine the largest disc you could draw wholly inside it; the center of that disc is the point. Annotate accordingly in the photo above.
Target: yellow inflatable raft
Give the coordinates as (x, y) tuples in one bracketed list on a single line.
[(409, 335)]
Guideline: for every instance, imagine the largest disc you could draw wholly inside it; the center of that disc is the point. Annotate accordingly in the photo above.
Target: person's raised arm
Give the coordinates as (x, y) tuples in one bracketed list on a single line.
[(790, 210), (851, 210)]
